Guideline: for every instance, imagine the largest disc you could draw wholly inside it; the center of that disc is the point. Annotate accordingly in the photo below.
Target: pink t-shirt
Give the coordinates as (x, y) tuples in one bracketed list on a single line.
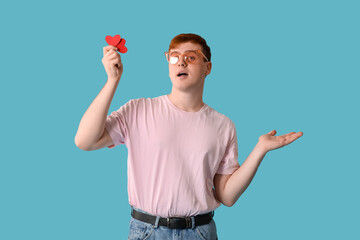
[(173, 155)]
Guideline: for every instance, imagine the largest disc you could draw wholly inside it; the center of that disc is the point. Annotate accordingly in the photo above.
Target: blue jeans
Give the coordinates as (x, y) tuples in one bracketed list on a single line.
[(141, 230)]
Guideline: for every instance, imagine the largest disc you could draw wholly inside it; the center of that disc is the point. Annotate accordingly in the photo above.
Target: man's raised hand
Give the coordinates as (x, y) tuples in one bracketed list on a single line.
[(112, 63)]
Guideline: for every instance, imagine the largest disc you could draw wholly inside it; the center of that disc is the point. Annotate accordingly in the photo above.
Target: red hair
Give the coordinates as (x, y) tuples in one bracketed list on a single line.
[(193, 38)]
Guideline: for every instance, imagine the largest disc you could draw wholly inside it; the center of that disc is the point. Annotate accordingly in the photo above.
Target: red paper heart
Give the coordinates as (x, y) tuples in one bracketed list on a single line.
[(113, 40), (121, 46), (117, 42)]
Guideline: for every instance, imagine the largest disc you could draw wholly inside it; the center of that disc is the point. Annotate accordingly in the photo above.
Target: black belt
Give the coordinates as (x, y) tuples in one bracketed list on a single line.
[(173, 222)]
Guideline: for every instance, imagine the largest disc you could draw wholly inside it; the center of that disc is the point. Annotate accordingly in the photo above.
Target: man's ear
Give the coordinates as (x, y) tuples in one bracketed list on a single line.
[(208, 68)]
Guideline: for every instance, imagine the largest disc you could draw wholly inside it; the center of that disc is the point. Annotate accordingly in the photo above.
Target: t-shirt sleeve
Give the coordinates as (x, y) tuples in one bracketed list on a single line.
[(117, 124), (229, 163)]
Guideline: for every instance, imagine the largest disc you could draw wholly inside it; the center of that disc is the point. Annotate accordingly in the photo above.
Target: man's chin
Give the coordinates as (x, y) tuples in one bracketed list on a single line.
[(184, 87)]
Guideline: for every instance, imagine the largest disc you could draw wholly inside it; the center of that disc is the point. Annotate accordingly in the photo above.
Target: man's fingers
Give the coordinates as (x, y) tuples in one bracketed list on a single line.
[(108, 48), (293, 136), (288, 134), (110, 54)]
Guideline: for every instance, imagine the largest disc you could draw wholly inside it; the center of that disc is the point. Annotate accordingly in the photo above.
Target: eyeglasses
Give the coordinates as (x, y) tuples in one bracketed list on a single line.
[(190, 56)]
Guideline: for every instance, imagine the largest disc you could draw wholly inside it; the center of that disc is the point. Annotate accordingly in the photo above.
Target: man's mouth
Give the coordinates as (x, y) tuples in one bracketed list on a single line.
[(182, 74)]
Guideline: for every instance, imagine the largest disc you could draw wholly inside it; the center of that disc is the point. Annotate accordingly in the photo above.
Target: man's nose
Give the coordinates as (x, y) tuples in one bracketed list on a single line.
[(181, 62)]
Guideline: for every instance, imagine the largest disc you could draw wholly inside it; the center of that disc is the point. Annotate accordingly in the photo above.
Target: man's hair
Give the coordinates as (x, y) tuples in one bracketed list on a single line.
[(190, 37)]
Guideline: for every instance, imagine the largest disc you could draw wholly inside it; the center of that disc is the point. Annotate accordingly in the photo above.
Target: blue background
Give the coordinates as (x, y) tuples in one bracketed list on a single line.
[(284, 65)]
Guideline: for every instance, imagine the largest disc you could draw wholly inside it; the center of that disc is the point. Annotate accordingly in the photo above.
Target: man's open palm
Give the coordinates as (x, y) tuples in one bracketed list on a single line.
[(270, 142)]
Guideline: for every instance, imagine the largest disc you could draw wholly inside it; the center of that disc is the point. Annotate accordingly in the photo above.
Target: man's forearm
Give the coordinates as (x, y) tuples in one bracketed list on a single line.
[(241, 178), (92, 124)]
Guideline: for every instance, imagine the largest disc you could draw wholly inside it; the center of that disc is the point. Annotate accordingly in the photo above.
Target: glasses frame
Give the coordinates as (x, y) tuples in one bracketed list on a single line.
[(182, 55)]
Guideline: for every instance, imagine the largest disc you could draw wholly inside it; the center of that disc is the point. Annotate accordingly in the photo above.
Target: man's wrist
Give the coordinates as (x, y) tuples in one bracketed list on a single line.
[(261, 148), (110, 79)]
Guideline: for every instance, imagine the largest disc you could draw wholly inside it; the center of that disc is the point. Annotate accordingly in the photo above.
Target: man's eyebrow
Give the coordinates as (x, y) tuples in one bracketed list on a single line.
[(185, 51)]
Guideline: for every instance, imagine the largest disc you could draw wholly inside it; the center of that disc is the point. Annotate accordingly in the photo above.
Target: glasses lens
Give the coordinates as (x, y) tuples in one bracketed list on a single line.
[(191, 57), (173, 57)]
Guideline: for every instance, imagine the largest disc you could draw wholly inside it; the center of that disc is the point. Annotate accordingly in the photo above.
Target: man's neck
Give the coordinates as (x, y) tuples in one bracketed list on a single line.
[(186, 101)]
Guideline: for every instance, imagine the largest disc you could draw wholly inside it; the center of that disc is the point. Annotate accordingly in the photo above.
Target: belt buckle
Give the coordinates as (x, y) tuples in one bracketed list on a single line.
[(188, 222), (168, 222)]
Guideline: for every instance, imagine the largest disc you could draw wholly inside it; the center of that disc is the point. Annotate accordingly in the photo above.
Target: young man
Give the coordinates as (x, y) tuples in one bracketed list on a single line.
[(179, 148)]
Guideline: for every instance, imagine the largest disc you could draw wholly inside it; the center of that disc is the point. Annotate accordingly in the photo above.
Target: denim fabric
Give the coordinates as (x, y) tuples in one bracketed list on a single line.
[(141, 230)]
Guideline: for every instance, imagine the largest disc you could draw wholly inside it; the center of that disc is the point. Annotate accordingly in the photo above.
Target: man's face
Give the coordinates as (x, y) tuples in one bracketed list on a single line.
[(196, 72)]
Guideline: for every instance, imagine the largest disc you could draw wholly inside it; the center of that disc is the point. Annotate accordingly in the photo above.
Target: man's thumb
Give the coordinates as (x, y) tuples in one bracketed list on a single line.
[(272, 133)]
